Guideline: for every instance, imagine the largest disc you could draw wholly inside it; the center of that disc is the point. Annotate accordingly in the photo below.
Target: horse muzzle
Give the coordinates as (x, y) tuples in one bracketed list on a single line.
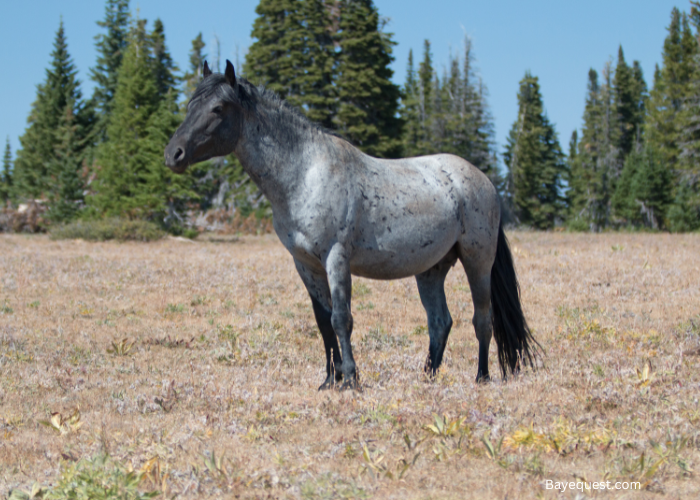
[(176, 158)]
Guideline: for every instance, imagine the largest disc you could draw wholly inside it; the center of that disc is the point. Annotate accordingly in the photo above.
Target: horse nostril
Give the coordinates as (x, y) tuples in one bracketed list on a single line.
[(179, 154)]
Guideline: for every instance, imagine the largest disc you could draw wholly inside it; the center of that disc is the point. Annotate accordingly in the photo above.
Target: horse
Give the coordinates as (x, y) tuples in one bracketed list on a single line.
[(340, 212)]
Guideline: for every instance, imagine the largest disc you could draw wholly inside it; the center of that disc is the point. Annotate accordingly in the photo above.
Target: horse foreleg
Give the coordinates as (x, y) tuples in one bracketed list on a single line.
[(340, 281), (316, 284), (330, 342)]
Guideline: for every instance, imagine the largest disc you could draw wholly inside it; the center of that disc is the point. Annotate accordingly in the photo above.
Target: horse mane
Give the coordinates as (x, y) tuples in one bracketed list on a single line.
[(276, 113)]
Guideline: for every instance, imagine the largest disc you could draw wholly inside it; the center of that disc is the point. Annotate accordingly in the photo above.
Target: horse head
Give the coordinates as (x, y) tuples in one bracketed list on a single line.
[(213, 122)]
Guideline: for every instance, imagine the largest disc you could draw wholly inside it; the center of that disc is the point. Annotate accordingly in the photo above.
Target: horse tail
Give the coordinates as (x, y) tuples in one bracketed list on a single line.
[(514, 339)]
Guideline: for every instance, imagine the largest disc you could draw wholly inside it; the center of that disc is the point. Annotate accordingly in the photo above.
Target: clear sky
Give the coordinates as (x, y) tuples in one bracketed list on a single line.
[(556, 40)]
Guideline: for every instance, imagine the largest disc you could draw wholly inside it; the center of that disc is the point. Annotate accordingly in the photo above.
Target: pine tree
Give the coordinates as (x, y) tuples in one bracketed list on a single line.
[(535, 161), (65, 195), (121, 176), (164, 68), (58, 96), (629, 90), (641, 96), (132, 180), (410, 111), (368, 99), (652, 188), (598, 165), (644, 190), (684, 214), (449, 115), (278, 43), (317, 95), (609, 164), (111, 47), (192, 77), (570, 169), (582, 201), (472, 129), (671, 88), (294, 54), (6, 178), (426, 101)]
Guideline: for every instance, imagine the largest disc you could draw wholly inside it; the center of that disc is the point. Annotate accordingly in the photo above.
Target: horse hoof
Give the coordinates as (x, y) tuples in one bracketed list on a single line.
[(483, 378), (350, 385), (330, 383)]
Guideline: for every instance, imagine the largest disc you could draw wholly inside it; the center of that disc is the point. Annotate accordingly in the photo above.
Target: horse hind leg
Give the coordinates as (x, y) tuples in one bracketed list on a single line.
[(480, 285), (431, 288)]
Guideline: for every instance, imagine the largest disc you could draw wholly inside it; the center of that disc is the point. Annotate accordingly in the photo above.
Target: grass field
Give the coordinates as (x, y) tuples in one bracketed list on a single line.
[(196, 365)]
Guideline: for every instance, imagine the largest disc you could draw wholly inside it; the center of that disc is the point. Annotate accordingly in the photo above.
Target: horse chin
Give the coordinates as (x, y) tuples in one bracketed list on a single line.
[(179, 169)]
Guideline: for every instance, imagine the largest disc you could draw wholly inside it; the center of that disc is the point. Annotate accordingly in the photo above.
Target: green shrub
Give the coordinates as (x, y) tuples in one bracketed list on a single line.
[(99, 478), (578, 225), (108, 229)]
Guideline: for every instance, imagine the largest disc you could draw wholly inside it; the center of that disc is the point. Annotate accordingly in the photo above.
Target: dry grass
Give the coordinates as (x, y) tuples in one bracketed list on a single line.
[(198, 363)]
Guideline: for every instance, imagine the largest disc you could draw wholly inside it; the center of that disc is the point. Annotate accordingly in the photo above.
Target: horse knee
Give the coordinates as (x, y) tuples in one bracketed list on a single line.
[(342, 321)]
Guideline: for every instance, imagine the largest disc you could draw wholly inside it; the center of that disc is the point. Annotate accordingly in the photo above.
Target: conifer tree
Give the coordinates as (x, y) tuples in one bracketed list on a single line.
[(582, 201), (597, 165), (629, 96), (684, 214), (316, 91), (270, 60), (410, 111), (164, 68), (643, 192), (535, 161), (57, 97), (294, 54), (471, 126), (194, 75), (6, 178), (110, 48), (426, 79), (449, 115), (368, 99), (65, 194), (123, 184), (671, 88), (640, 93), (570, 169)]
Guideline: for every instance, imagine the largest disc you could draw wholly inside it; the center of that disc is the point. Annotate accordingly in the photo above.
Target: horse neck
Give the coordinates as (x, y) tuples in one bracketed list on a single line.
[(272, 161)]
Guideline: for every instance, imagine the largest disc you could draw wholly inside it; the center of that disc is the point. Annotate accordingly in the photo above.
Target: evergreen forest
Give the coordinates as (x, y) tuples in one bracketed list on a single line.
[(633, 164)]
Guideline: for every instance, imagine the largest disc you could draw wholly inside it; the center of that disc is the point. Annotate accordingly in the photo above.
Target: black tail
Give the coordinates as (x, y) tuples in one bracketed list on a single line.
[(513, 337)]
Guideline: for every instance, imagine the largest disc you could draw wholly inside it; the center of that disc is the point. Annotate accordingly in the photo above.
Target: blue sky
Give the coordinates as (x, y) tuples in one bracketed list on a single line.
[(557, 40)]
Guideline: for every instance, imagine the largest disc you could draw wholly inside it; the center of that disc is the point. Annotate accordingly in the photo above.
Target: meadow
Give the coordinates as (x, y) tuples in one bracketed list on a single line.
[(191, 368)]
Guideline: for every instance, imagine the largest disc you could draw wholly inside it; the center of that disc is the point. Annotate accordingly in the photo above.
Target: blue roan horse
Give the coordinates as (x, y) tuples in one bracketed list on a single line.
[(340, 212)]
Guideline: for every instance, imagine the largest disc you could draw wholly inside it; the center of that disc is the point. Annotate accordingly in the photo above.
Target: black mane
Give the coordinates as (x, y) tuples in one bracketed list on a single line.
[(274, 111)]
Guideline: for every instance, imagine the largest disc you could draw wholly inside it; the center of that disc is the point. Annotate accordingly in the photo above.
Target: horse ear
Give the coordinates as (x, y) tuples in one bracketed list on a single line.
[(230, 75), (206, 71)]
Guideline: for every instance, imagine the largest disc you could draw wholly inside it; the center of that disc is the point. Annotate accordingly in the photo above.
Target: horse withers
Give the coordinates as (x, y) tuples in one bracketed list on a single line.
[(340, 212)]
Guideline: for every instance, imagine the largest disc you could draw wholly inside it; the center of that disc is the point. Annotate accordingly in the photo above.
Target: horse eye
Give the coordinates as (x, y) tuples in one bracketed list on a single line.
[(217, 109)]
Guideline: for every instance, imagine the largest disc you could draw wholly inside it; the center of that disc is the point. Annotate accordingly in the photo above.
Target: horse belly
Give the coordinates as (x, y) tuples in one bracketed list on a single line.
[(398, 247)]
